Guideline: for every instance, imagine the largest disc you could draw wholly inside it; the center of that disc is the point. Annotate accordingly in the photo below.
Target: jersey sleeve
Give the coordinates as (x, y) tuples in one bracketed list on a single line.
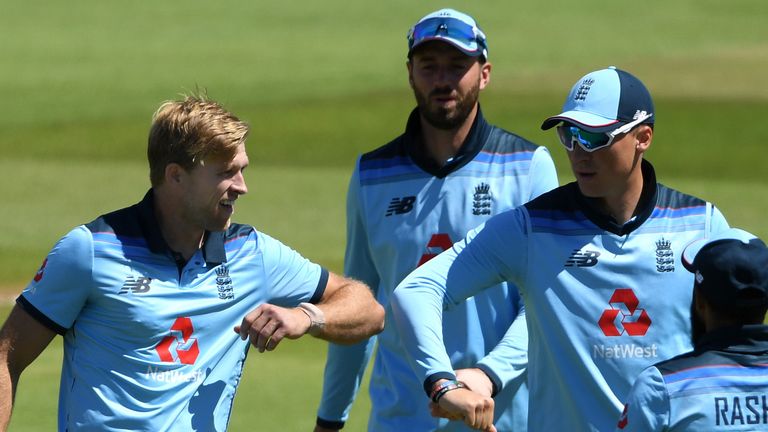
[(292, 278), (345, 365), (61, 287), (490, 254), (508, 360), (647, 405), (358, 263), (543, 175), (344, 369)]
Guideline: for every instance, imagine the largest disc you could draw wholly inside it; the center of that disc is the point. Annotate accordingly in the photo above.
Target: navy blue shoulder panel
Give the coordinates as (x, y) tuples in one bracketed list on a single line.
[(698, 359), (391, 150), (674, 199), (502, 141), (560, 199), (236, 230), (123, 222)]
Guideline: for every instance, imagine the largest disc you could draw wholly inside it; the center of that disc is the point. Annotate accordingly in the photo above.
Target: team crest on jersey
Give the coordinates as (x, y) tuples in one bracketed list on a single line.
[(224, 283), (481, 201), (665, 258)]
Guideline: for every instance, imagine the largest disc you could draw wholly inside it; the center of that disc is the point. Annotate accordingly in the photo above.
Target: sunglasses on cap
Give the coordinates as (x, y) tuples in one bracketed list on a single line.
[(593, 141), (447, 28)]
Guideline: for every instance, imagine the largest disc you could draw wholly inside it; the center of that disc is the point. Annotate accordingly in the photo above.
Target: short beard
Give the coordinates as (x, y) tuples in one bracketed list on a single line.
[(441, 118)]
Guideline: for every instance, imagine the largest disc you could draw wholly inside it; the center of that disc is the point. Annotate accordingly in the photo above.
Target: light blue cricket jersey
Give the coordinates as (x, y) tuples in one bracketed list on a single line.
[(720, 386), (149, 346), (402, 211), (603, 301)]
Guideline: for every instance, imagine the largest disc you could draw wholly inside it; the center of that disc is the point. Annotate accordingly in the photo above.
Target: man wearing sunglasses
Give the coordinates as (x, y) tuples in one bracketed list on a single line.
[(597, 262), (411, 199)]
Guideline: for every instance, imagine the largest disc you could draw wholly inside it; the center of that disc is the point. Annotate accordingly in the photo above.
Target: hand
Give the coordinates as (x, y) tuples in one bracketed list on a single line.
[(476, 410), (268, 324), (476, 380)]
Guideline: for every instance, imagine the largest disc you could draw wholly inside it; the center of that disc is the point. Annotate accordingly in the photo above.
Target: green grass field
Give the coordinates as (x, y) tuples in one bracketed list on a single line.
[(321, 82)]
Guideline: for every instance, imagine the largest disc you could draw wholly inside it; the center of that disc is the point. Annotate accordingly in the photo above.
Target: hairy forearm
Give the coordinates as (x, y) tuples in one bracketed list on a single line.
[(7, 393), (351, 314)]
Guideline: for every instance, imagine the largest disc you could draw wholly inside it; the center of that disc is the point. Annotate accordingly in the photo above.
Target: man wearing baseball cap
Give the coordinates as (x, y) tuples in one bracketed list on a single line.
[(597, 263), (723, 383), (411, 199)]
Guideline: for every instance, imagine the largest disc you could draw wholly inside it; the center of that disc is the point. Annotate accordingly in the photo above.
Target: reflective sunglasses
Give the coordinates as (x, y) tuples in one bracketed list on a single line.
[(449, 28), (593, 141)]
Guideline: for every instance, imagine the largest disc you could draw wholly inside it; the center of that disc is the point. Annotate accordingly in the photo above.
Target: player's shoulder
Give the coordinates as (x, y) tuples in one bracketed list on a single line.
[(667, 197), (558, 199), (123, 223), (240, 232), (501, 140), (390, 151)]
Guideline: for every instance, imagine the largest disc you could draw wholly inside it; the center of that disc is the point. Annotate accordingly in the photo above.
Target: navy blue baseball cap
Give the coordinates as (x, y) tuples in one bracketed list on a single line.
[(453, 27), (731, 268), (605, 100)]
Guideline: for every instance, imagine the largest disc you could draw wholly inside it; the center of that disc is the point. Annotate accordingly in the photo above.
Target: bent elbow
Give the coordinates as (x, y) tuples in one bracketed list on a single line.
[(378, 319)]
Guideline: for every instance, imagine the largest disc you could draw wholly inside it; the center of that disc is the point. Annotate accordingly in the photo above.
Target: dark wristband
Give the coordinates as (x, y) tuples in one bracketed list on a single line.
[(329, 424)]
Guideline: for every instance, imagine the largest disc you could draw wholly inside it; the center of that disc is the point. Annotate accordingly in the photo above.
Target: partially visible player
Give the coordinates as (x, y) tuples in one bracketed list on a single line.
[(412, 198), (597, 263), (723, 383), (146, 297)]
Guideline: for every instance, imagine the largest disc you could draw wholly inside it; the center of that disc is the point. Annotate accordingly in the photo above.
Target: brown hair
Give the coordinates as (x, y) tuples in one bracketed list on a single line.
[(188, 131)]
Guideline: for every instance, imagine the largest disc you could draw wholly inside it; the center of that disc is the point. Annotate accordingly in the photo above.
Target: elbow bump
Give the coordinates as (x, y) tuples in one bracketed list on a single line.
[(379, 319)]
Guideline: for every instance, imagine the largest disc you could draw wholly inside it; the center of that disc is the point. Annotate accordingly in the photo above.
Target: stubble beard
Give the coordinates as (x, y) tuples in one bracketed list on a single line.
[(442, 118)]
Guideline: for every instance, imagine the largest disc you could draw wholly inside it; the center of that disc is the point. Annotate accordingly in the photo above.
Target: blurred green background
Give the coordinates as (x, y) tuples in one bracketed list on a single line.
[(320, 82)]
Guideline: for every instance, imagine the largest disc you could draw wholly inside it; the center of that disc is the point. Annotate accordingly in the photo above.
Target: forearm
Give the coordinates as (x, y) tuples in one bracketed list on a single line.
[(508, 361), (351, 314), (7, 395)]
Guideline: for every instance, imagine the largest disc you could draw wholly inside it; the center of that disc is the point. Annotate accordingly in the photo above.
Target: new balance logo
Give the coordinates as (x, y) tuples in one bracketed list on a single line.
[(400, 205), (582, 258), (136, 285), (581, 93)]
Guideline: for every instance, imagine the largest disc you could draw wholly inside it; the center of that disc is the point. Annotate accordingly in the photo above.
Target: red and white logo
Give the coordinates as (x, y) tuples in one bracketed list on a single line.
[(437, 244), (623, 420), (180, 342), (39, 274), (624, 315)]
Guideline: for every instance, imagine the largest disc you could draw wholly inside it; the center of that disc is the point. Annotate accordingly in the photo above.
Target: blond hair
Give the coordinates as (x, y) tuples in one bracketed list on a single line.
[(189, 131)]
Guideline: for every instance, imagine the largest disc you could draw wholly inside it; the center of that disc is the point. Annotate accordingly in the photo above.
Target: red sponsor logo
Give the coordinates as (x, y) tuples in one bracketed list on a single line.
[(624, 315), (438, 243), (39, 274), (179, 342), (623, 419)]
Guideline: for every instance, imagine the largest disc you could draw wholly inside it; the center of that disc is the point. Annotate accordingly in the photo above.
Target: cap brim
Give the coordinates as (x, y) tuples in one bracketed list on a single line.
[(693, 248), (454, 43), (587, 121)]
